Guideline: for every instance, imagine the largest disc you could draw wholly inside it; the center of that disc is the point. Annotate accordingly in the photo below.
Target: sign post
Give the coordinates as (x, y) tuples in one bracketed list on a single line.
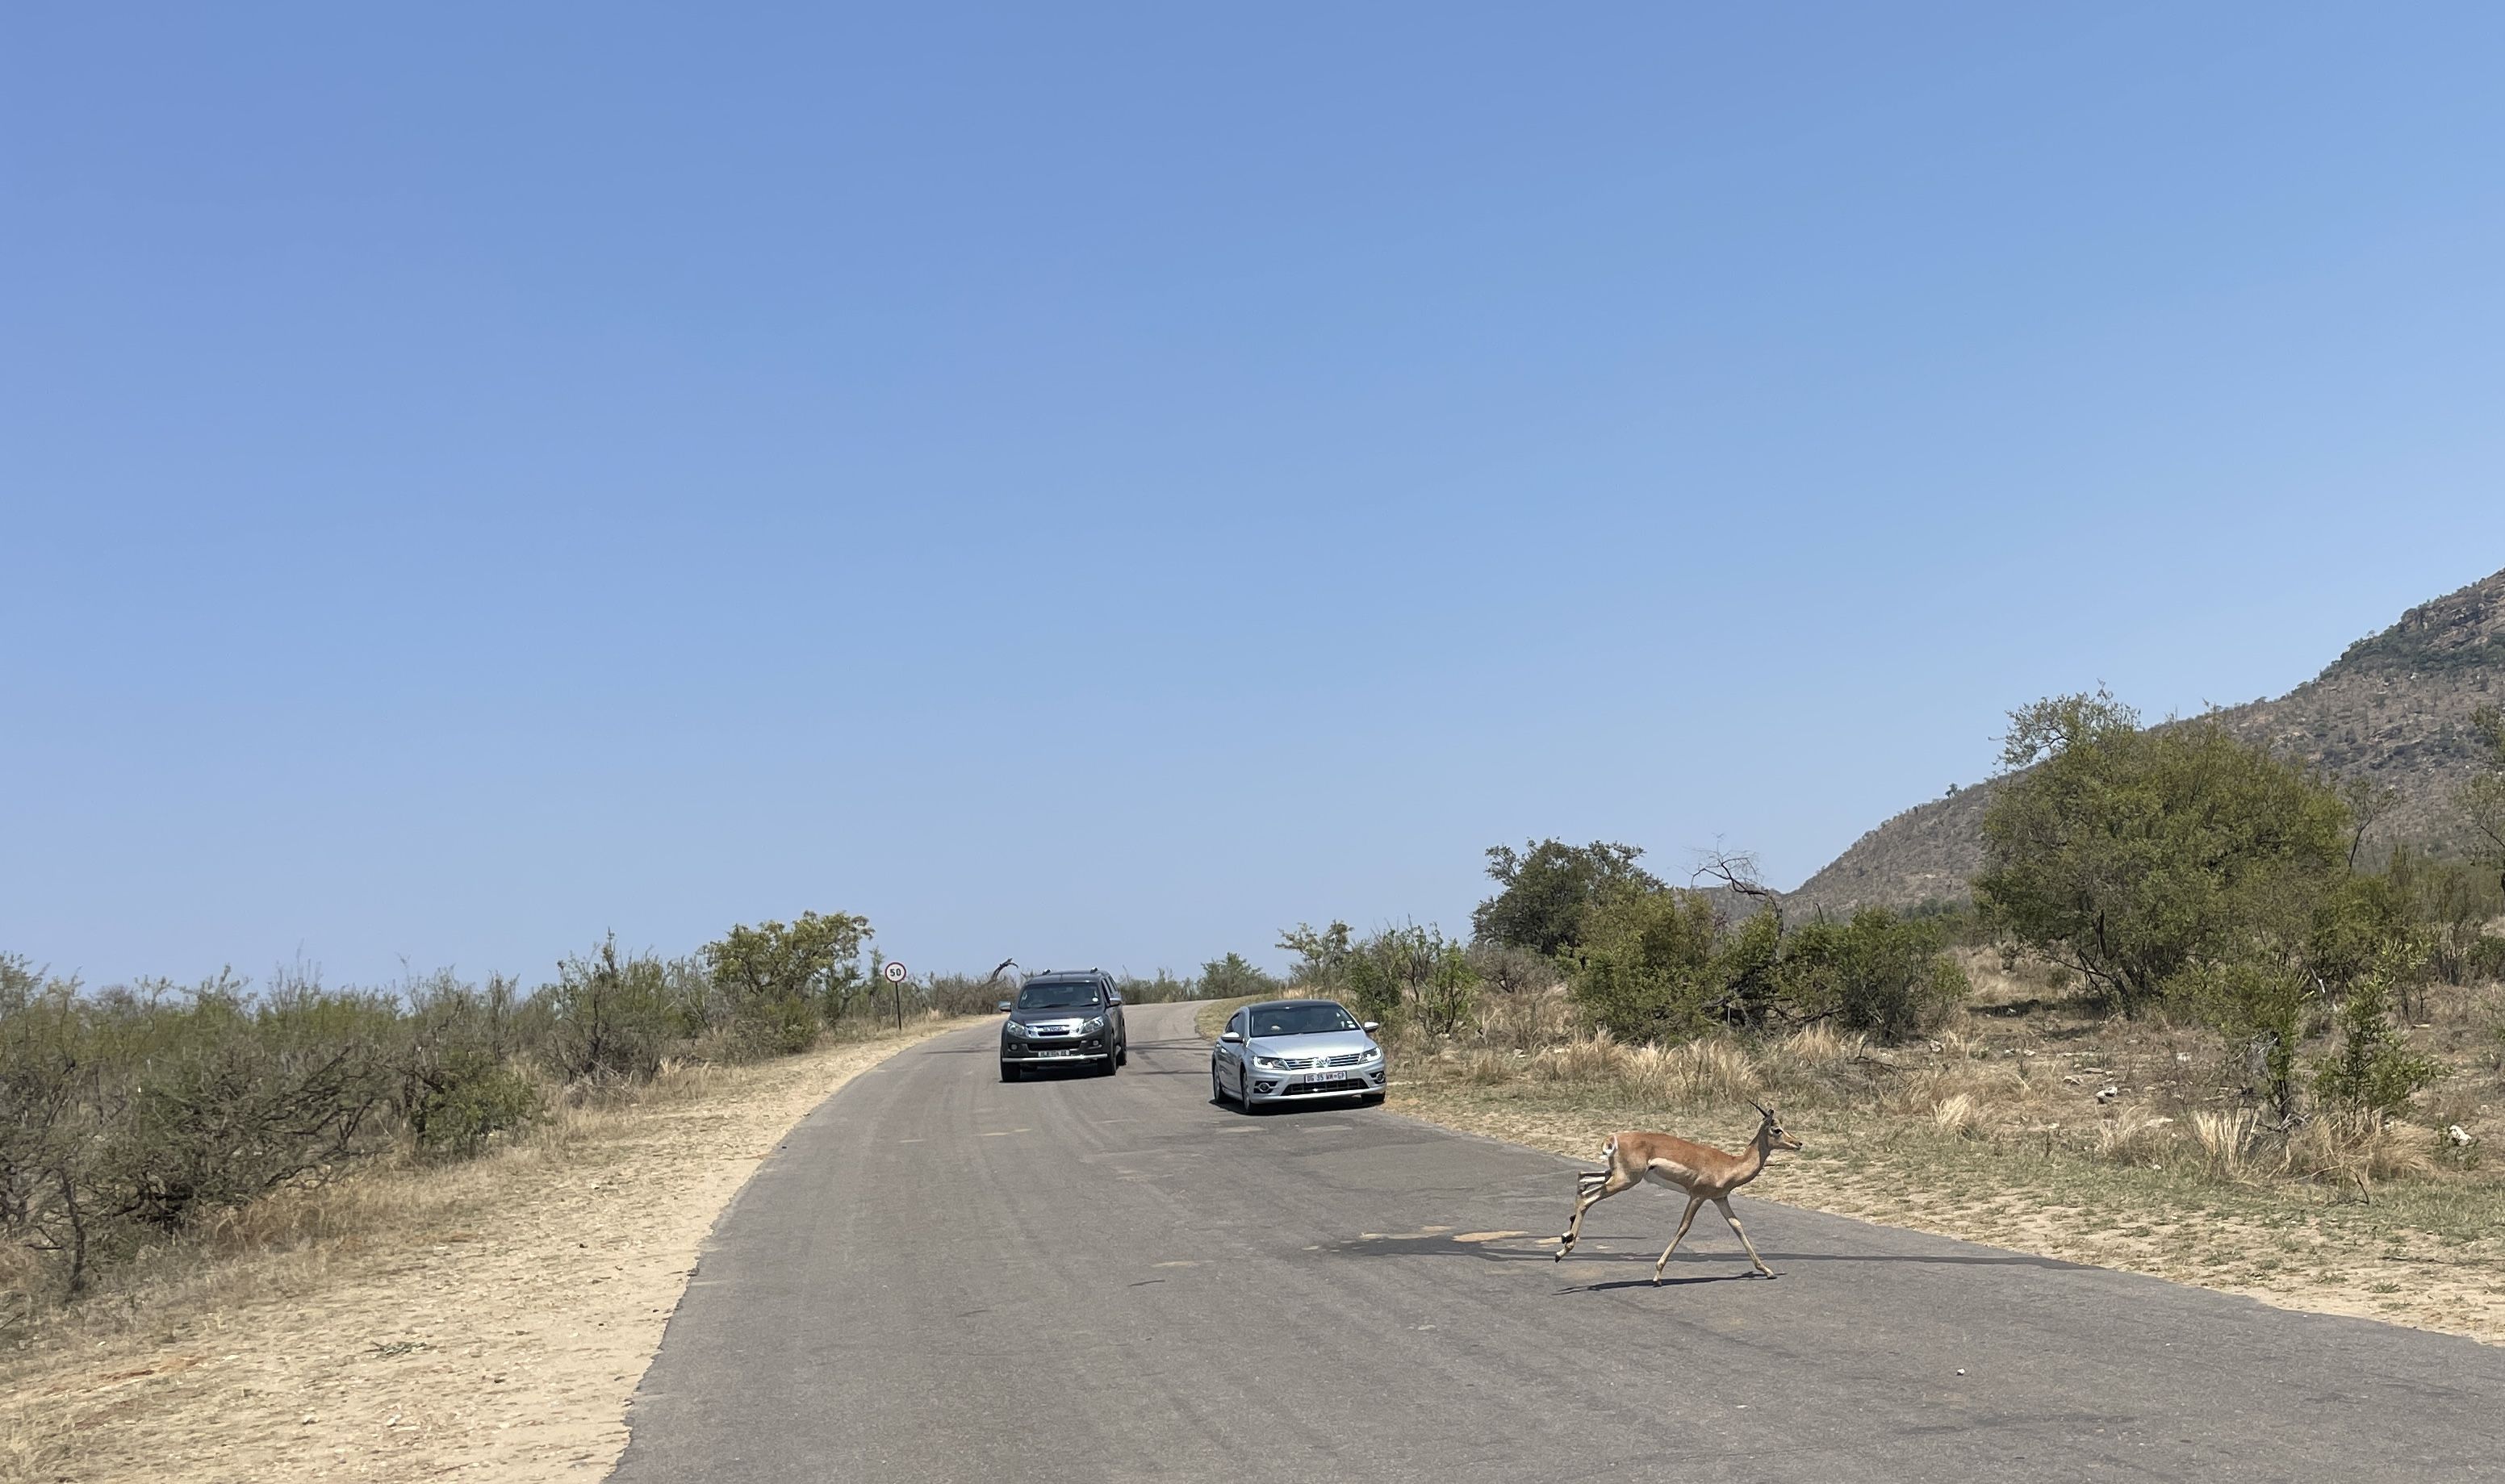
[(895, 973)]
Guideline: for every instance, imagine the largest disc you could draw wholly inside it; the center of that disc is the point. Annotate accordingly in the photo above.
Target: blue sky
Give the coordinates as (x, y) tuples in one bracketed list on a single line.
[(1099, 484)]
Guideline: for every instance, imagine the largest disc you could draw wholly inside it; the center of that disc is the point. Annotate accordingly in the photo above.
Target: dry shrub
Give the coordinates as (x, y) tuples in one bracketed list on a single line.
[(1716, 1070), (36, 1443), (1986, 1086), (1592, 1058), (2135, 1136), (2226, 1138), (1529, 1020), (1959, 1113), (2358, 1151), (1822, 1046)]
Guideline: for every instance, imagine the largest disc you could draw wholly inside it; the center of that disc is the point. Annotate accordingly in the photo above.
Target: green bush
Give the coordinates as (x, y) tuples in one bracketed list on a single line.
[(227, 1099), (610, 1018), (1880, 973), (1645, 970), (781, 981), (458, 1084), (1411, 972), (2373, 1072)]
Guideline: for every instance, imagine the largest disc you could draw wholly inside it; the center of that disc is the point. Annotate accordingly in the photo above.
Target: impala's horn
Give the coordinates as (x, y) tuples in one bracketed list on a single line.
[(1761, 1107)]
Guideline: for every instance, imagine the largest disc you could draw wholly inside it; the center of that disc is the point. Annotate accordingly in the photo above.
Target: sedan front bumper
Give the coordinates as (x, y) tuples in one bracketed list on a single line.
[(1329, 1082)]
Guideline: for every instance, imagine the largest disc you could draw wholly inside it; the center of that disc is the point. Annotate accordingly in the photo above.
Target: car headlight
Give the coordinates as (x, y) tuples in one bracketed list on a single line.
[(1092, 1023), (1273, 1063), (1374, 1054), (1018, 1029)]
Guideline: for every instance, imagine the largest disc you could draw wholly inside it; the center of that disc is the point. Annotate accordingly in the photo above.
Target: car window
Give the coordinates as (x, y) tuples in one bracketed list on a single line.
[(1059, 997), (1316, 1018)]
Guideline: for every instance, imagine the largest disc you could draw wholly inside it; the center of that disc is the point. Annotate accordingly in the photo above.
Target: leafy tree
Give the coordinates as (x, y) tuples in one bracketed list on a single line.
[(1549, 888), (781, 980), (2455, 900), (2482, 799), (2130, 855), (1232, 977), (1322, 954)]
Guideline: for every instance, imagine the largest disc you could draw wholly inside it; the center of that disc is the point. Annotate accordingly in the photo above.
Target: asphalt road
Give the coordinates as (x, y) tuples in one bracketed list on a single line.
[(939, 1277)]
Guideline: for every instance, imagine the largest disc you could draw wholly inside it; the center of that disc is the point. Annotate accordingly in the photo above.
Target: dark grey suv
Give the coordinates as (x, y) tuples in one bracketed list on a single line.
[(1064, 1019)]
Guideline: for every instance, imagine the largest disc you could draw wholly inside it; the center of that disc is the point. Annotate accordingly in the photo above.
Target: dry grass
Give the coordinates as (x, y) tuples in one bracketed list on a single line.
[(488, 1319)]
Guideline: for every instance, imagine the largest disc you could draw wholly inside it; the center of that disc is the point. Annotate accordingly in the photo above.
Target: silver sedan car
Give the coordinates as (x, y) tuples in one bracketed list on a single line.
[(1292, 1051)]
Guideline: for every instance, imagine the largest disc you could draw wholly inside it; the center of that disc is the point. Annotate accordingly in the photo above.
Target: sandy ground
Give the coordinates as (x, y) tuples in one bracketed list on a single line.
[(497, 1335), (2398, 1276)]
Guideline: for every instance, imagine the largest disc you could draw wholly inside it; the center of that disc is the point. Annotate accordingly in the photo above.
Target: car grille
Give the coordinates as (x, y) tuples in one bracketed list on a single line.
[(1342, 1085), (1309, 1063)]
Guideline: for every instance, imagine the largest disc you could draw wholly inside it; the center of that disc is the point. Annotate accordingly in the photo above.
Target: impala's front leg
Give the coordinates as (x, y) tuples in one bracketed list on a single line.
[(1725, 1208), (1693, 1202)]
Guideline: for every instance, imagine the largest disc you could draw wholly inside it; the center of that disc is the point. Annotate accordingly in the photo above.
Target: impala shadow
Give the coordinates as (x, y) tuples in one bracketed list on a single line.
[(1542, 1250)]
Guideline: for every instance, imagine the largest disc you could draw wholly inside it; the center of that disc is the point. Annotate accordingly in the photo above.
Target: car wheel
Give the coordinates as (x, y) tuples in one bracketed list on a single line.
[(1122, 1054), (1216, 1088), (1106, 1067), (1009, 1072)]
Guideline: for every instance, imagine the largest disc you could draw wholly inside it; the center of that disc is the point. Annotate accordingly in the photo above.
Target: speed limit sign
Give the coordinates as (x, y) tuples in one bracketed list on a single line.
[(894, 975)]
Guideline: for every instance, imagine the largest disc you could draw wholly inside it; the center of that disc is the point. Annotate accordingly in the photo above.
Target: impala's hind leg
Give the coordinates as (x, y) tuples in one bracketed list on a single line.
[(1693, 1202), (1725, 1207), (1590, 1190)]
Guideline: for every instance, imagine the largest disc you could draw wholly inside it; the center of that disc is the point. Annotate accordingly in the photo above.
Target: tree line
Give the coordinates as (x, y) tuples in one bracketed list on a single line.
[(2170, 869), (127, 1114)]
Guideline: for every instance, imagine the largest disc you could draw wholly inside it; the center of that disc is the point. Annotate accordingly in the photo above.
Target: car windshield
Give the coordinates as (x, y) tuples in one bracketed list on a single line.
[(1300, 1020), (1059, 997)]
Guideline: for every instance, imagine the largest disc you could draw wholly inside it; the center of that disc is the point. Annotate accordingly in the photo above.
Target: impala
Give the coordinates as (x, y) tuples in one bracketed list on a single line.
[(1698, 1171)]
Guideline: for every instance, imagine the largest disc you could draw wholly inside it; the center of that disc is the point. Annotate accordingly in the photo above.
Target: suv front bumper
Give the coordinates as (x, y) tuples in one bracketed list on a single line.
[(1055, 1052)]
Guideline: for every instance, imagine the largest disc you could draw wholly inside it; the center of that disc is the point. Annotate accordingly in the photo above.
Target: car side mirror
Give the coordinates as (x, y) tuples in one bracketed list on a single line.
[(1230, 1038), (1373, 1025), (1003, 1005), (1114, 999)]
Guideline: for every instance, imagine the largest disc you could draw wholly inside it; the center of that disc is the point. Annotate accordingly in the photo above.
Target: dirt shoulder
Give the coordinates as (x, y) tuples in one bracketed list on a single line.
[(484, 1321)]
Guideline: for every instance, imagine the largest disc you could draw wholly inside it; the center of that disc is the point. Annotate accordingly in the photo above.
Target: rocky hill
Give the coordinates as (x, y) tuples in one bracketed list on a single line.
[(2394, 708)]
